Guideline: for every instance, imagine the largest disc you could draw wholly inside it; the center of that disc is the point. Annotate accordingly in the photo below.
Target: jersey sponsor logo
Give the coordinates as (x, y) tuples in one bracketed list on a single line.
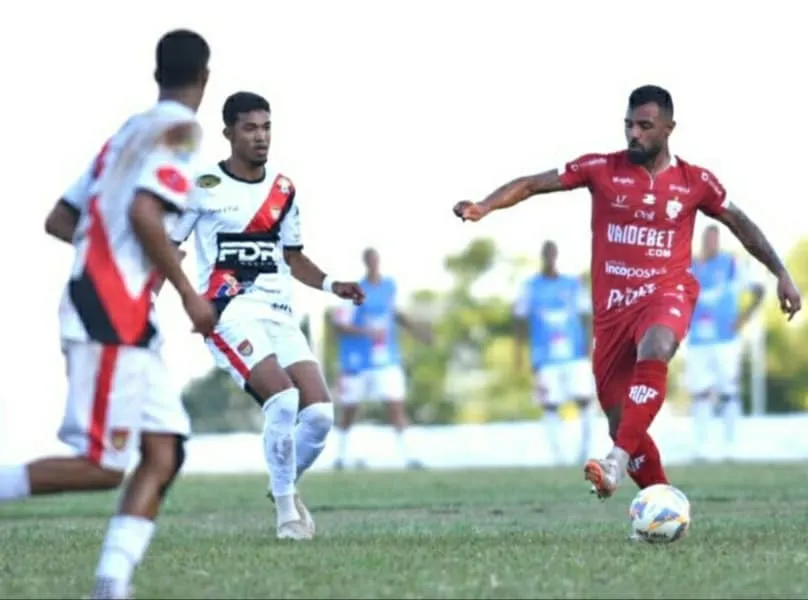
[(208, 181), (658, 241), (646, 215), (243, 251), (629, 295), (171, 178), (619, 269)]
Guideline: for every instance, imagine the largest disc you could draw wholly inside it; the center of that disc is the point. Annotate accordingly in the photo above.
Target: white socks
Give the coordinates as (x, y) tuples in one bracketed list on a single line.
[(586, 415), (552, 421), (14, 483), (702, 415), (280, 414), (124, 547), (314, 423), (731, 411)]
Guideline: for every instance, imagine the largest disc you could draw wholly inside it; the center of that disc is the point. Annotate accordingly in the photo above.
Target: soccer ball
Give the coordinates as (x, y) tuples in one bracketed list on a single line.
[(660, 514)]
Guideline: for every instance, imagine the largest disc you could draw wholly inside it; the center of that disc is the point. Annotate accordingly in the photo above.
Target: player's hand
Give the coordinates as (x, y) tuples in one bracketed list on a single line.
[(349, 290), (470, 211), (202, 313), (788, 295)]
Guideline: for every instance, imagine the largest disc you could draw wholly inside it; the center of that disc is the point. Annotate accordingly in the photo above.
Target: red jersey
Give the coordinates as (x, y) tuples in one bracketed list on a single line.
[(642, 226)]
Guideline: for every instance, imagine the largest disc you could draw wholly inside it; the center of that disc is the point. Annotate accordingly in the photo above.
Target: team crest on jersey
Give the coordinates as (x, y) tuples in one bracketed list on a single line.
[(208, 181), (285, 185), (118, 438), (245, 348), (673, 208)]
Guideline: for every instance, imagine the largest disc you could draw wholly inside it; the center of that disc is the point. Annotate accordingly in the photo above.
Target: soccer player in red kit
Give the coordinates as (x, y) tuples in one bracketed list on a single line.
[(644, 205)]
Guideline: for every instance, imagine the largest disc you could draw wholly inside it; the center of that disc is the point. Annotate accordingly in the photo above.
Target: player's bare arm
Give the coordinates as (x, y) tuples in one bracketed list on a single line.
[(758, 245), (146, 216), (511, 194), (520, 335), (307, 273), (61, 221), (418, 330)]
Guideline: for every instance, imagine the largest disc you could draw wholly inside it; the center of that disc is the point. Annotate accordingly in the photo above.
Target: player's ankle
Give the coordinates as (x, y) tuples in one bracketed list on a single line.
[(286, 509)]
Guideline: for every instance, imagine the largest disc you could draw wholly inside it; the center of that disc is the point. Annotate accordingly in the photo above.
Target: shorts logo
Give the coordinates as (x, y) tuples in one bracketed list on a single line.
[(118, 438), (245, 348)]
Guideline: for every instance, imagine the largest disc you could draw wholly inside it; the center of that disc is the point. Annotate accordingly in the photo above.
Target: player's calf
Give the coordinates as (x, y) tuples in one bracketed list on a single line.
[(130, 532), (56, 475), (280, 408)]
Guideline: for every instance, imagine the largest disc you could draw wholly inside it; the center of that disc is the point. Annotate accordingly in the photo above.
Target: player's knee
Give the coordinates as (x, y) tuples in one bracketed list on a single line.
[(318, 419), (163, 455), (658, 343), (267, 379), (108, 478), (179, 460)]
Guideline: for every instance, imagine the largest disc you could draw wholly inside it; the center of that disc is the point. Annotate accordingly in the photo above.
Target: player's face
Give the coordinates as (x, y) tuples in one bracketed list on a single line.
[(647, 132), (372, 261), (710, 242), (549, 255), (250, 137)]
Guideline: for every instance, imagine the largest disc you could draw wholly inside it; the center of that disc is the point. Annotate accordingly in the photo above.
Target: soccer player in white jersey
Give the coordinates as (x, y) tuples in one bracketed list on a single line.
[(714, 352), (553, 316), (118, 403), (246, 221)]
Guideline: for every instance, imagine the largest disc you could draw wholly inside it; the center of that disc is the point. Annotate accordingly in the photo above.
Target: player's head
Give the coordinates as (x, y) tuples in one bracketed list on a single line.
[(709, 241), (549, 256), (371, 259), (248, 127), (182, 61), (649, 122)]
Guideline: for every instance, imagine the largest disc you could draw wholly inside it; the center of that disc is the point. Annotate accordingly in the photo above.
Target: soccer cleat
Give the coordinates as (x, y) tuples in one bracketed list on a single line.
[(602, 474), (294, 530), (305, 515), (634, 537)]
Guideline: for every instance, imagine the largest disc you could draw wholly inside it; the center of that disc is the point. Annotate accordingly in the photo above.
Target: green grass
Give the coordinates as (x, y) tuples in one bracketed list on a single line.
[(531, 533)]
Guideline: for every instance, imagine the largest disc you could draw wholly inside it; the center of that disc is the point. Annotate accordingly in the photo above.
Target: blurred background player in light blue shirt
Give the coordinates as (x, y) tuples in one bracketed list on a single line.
[(370, 360), (713, 361), (552, 316)]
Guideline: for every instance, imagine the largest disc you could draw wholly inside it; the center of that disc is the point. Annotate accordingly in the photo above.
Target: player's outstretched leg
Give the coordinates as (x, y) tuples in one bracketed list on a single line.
[(315, 420), (645, 397), (268, 380), (129, 533)]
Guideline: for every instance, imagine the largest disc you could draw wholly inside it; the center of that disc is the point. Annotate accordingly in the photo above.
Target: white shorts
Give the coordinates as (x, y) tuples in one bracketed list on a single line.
[(385, 384), (714, 368), (238, 346), (559, 383), (114, 394)]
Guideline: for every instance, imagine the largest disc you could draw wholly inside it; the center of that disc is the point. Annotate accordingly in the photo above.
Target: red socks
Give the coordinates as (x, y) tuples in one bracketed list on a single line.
[(645, 398), (645, 466)]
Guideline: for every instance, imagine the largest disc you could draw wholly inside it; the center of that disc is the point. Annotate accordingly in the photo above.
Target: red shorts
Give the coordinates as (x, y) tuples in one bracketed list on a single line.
[(615, 352)]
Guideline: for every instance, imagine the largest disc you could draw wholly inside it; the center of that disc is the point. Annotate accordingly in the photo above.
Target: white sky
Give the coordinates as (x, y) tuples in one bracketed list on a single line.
[(385, 114)]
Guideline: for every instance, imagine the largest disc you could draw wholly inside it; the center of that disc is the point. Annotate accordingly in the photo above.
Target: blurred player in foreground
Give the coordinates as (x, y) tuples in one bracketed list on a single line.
[(644, 205), (119, 400), (714, 345), (370, 361), (552, 313), (246, 221)]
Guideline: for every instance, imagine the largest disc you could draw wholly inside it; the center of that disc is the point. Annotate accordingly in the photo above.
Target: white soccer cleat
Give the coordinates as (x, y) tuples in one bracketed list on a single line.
[(305, 515), (294, 530), (106, 589), (603, 475)]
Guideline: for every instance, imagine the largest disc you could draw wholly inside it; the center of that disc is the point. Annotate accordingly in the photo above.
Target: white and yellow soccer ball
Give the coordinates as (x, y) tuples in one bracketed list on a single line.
[(660, 514)]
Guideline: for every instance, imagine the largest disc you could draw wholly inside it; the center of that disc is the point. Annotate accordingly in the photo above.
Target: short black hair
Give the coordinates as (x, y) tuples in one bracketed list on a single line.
[(652, 94), (182, 58), (241, 103)]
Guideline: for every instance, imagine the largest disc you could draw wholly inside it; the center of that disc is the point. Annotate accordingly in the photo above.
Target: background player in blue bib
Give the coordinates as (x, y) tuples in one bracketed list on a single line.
[(713, 361), (551, 316), (369, 355)]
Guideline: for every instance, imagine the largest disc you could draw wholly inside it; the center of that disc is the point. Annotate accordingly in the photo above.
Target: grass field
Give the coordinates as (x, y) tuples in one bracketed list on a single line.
[(472, 534)]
